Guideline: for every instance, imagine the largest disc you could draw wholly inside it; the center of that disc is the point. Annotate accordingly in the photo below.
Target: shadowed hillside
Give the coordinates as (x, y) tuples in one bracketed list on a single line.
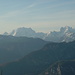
[(61, 68), (13, 48), (38, 61)]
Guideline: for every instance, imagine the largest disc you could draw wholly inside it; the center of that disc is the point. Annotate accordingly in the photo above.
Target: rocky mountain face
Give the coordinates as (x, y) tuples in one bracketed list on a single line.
[(66, 34), (38, 61), (14, 48), (27, 32), (61, 68)]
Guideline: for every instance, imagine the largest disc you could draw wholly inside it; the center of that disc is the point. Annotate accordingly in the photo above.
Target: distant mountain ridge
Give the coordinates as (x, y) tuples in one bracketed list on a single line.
[(27, 32), (66, 34), (13, 48)]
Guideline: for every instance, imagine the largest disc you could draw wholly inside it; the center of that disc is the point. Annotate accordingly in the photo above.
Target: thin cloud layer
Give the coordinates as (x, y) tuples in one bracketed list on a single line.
[(37, 14)]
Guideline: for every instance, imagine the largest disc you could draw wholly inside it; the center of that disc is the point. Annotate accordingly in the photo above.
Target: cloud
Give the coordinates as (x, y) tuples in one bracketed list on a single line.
[(9, 14), (32, 5), (60, 4), (39, 2), (13, 13)]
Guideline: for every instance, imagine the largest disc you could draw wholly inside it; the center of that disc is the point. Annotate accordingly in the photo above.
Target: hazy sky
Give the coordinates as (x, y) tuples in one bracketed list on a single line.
[(40, 15)]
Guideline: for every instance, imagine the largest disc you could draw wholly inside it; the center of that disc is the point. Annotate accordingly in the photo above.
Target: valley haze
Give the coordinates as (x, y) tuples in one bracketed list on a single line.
[(37, 37)]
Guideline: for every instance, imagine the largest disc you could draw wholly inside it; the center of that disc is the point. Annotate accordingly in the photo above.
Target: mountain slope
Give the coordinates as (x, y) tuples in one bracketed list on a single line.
[(38, 61), (61, 68), (13, 48)]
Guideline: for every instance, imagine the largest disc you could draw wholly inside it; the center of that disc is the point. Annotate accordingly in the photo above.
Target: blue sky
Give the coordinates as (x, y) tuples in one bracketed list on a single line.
[(40, 15)]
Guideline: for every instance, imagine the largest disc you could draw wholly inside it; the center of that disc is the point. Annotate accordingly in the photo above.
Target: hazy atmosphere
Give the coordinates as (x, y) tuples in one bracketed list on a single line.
[(40, 15), (37, 37)]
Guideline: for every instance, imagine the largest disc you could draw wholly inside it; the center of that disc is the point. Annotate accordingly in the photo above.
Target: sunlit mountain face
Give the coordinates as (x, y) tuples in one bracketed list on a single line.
[(65, 34)]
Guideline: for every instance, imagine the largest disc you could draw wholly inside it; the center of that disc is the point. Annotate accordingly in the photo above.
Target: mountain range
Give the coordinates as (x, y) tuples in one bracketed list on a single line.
[(26, 52), (27, 32), (66, 34), (38, 61), (13, 48)]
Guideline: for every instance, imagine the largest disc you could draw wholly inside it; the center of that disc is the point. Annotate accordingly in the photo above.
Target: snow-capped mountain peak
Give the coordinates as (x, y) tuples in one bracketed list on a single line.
[(65, 34), (66, 29)]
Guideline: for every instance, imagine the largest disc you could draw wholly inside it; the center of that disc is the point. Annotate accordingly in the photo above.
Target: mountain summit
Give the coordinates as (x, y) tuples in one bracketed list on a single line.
[(27, 32), (65, 34)]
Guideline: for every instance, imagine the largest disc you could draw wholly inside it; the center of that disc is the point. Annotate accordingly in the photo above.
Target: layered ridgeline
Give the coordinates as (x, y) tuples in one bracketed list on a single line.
[(13, 48), (61, 68), (66, 34), (38, 61)]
